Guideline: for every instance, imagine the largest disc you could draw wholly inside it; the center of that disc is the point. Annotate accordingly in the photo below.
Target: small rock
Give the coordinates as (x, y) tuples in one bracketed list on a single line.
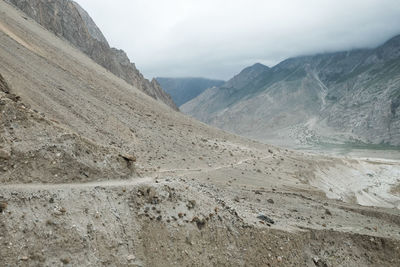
[(328, 212), (265, 219), (131, 258), (271, 201), (24, 258), (279, 259), (199, 222), (65, 260), (3, 206), (4, 154), (191, 204), (127, 157), (236, 199), (319, 263), (63, 210)]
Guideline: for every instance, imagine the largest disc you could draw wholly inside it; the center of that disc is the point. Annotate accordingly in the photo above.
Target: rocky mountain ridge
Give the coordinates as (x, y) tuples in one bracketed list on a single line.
[(68, 20), (350, 96)]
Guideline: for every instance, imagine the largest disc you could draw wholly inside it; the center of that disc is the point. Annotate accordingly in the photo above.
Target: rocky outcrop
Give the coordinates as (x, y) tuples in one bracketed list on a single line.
[(333, 97), (68, 20)]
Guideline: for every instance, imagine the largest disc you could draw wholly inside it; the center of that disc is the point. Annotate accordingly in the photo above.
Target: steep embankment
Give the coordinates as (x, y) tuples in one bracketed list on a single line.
[(183, 90), (68, 20), (195, 195), (326, 98)]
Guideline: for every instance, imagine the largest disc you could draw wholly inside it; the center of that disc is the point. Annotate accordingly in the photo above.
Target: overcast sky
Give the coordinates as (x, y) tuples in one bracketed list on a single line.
[(218, 38)]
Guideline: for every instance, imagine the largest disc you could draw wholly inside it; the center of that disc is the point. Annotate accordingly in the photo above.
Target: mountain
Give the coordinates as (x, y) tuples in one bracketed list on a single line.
[(94, 172), (66, 19), (351, 96), (184, 89)]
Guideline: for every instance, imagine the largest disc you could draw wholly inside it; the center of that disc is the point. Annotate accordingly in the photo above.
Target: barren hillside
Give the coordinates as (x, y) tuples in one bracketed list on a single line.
[(349, 97), (96, 173)]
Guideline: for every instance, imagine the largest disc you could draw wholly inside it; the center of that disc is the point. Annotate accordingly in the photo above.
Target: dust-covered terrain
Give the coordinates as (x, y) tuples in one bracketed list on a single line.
[(96, 173)]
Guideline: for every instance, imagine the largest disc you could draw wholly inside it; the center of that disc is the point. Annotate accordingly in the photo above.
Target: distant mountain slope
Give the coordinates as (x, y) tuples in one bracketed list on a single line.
[(333, 97), (68, 20), (184, 89)]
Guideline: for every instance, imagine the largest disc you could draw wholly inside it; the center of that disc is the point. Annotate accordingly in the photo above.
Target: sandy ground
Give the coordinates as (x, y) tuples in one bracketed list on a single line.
[(95, 173)]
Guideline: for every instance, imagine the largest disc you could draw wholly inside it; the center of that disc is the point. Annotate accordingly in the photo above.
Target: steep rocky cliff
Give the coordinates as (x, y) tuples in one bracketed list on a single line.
[(68, 20), (326, 98)]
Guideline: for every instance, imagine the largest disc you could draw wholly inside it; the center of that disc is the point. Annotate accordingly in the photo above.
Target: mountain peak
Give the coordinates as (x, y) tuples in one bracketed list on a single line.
[(255, 69), (258, 64)]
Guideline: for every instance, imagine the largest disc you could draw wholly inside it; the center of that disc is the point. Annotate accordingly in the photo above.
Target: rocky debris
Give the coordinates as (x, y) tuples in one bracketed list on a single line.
[(319, 262), (130, 258), (328, 212), (63, 210), (4, 87), (48, 152), (266, 219), (65, 260), (129, 158), (75, 25), (199, 222), (270, 201), (3, 206), (191, 204), (5, 155)]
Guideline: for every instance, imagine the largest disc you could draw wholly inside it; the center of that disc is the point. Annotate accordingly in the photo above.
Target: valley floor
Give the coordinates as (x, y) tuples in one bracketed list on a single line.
[(249, 212)]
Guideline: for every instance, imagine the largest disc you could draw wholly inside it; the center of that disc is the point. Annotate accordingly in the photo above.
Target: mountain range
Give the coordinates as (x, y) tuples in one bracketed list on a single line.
[(332, 98), (184, 89)]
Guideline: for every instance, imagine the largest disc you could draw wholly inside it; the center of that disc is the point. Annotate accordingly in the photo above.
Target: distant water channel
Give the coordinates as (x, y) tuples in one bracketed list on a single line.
[(356, 151)]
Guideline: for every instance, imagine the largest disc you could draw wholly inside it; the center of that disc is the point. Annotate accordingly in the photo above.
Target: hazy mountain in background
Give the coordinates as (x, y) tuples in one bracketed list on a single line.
[(68, 20), (184, 89), (326, 98)]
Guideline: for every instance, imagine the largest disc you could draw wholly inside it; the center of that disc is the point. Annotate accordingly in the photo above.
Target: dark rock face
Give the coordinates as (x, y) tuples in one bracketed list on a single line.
[(68, 20), (352, 95), (3, 85), (183, 90)]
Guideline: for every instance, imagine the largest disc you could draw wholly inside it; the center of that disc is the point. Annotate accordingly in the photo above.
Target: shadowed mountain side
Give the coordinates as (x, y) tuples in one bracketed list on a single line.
[(184, 89)]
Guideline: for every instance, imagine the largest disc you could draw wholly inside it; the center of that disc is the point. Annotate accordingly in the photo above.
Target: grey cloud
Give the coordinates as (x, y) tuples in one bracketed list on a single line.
[(217, 38)]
